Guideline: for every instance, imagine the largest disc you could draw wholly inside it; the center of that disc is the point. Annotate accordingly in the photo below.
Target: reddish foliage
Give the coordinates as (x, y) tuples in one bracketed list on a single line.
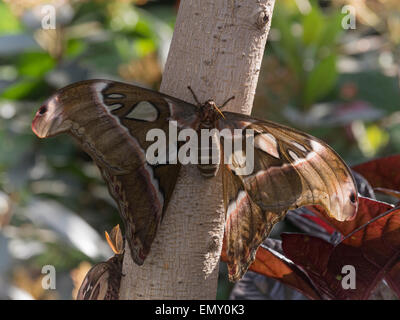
[(381, 173), (272, 264), (367, 210), (372, 246), (373, 250)]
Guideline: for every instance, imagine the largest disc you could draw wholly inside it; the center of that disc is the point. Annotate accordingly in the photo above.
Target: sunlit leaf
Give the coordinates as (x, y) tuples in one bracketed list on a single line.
[(144, 47), (368, 209), (377, 137), (8, 22)]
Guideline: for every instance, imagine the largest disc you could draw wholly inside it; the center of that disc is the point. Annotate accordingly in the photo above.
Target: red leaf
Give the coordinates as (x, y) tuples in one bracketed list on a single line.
[(312, 254), (381, 173), (373, 250), (367, 210), (270, 263)]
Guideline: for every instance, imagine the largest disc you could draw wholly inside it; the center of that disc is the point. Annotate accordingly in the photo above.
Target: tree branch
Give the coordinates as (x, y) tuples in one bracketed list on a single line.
[(217, 49)]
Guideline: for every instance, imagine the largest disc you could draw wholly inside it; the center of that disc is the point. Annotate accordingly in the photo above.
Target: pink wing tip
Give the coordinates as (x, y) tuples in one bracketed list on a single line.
[(42, 110)]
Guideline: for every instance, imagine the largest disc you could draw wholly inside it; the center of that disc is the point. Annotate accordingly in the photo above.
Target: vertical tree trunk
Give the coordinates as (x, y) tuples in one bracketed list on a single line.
[(217, 49)]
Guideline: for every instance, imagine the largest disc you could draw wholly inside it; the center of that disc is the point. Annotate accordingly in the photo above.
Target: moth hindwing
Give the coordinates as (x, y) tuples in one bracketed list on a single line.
[(103, 280)]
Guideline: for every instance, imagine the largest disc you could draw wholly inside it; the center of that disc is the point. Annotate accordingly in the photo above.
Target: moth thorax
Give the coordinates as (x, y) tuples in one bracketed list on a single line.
[(209, 154)]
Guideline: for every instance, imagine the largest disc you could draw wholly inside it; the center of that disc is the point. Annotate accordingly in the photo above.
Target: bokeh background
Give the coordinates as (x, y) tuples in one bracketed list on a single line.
[(341, 85)]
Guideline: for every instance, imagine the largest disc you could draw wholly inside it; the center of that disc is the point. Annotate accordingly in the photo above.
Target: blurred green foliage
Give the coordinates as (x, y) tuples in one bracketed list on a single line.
[(313, 78), (307, 45)]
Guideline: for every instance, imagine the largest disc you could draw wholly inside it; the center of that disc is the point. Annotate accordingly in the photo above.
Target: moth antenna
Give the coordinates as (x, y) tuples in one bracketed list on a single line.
[(220, 112), (194, 95), (226, 102)]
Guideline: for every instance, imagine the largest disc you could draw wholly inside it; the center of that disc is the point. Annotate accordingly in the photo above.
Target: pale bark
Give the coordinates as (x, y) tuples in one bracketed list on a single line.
[(217, 49)]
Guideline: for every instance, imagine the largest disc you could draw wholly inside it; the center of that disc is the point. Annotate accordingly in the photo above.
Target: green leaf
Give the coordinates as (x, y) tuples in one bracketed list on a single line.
[(313, 25), (143, 28), (321, 80), (287, 47), (8, 22), (24, 89), (75, 47), (331, 31), (144, 46), (35, 64)]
